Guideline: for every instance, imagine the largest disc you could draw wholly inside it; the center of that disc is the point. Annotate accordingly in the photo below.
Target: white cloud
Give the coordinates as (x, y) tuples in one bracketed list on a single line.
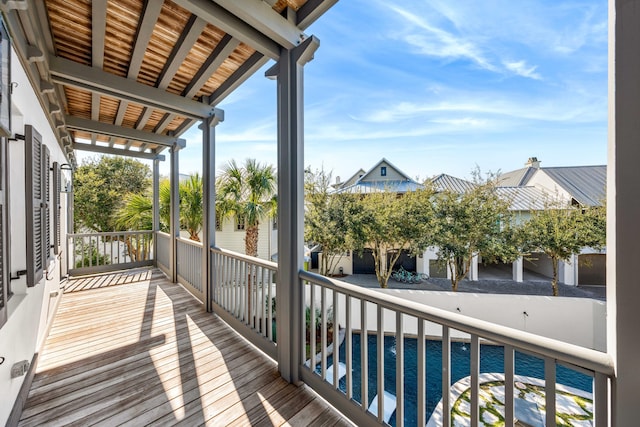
[(521, 68)]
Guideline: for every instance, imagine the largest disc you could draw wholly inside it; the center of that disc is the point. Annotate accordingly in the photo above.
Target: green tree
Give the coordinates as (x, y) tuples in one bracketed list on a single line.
[(248, 192), (470, 223), (389, 223), (100, 185), (561, 231), (191, 206), (328, 218)]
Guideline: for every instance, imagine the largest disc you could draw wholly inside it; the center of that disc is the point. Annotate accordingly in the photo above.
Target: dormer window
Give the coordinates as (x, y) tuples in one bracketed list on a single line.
[(383, 171)]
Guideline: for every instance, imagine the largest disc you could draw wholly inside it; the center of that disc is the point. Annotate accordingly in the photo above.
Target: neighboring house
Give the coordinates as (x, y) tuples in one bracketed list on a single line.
[(230, 235)]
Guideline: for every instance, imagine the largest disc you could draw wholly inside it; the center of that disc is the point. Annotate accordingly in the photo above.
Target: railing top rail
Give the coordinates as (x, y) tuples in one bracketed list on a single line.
[(257, 261), (110, 233), (163, 234), (189, 242), (587, 358)]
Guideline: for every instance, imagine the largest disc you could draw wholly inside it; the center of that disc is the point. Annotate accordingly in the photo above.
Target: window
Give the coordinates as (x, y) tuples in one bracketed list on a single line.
[(37, 197), (240, 223), (383, 171), (218, 224)]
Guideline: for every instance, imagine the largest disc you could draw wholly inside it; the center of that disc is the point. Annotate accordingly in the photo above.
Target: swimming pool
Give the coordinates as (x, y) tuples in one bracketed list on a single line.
[(491, 361)]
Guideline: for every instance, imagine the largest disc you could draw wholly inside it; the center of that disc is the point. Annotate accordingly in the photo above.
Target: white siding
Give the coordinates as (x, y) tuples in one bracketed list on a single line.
[(233, 240), (30, 310)]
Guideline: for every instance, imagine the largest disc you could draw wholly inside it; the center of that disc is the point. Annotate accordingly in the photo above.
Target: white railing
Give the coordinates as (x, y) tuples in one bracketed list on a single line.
[(99, 252), (189, 257), (163, 249), (345, 311), (243, 294)]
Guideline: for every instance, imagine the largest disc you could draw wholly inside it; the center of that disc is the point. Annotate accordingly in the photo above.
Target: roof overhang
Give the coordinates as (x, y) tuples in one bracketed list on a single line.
[(130, 76)]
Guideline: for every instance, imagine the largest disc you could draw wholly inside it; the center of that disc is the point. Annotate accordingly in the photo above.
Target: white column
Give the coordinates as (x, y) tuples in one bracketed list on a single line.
[(289, 297), (174, 211), (473, 268), (623, 208), (156, 208), (209, 203), (518, 270)]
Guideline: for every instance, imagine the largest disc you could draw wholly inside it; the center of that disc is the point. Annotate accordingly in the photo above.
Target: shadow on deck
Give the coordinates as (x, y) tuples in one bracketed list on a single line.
[(135, 349)]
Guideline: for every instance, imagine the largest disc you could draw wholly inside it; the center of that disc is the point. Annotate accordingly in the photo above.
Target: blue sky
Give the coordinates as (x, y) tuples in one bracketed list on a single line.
[(437, 86)]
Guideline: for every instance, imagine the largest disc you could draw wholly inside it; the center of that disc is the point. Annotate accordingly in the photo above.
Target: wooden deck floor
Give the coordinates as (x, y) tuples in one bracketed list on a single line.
[(134, 349)]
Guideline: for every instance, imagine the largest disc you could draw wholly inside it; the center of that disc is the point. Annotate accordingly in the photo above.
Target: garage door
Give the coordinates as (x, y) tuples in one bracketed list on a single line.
[(364, 263), (405, 261)]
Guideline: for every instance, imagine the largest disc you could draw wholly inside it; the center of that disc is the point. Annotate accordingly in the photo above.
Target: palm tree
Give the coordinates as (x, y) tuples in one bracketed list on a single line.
[(191, 206), (136, 213), (248, 192)]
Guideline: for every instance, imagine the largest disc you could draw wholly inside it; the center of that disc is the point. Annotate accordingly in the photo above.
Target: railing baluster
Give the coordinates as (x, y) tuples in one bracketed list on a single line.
[(348, 351), (475, 377), (550, 391), (422, 393), (380, 371), (336, 331), (399, 370), (270, 310), (323, 332), (312, 326), (446, 376), (509, 371), (364, 369), (600, 400)]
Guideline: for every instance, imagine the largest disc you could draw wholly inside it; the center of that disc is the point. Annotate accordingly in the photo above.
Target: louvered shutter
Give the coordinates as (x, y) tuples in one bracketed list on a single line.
[(35, 202), (4, 270), (57, 188), (46, 212)]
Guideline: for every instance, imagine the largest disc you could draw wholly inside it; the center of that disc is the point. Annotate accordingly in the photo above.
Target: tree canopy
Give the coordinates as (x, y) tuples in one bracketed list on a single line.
[(562, 230), (101, 184)]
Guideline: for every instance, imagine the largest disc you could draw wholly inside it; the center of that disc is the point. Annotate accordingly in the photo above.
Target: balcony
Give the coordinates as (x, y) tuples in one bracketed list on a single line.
[(153, 355), (132, 348)]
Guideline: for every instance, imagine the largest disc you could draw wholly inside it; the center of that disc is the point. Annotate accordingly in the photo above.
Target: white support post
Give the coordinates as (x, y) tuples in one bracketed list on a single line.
[(473, 270), (623, 208), (289, 296), (174, 226), (518, 270), (209, 203), (156, 209)]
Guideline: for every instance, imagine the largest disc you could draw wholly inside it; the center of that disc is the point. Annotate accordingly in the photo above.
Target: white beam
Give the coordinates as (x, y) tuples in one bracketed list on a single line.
[(66, 72)]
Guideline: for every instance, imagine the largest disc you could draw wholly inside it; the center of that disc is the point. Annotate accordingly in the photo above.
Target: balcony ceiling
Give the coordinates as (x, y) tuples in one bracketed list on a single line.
[(130, 76)]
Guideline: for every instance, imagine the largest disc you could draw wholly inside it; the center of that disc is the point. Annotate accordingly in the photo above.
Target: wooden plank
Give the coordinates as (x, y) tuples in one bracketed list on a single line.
[(145, 352)]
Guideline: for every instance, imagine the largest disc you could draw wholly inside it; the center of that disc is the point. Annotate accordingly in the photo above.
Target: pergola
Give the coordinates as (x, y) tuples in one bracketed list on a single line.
[(129, 77)]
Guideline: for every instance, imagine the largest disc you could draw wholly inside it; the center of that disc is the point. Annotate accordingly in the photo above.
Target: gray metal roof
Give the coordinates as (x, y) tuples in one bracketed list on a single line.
[(364, 187), (586, 184), (516, 178), (444, 182), (523, 198)]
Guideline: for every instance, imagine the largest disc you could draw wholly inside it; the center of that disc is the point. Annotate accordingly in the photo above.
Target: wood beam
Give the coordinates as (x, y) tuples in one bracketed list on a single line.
[(187, 39), (311, 11), (221, 18), (246, 70), (222, 51), (66, 72), (118, 131), (117, 151)]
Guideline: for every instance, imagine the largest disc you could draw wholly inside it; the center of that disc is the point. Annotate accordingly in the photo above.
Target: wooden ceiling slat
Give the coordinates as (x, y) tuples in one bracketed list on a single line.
[(122, 23), (78, 102), (70, 23)]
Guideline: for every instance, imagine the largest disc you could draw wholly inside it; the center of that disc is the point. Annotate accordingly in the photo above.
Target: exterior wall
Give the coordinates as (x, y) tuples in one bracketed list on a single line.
[(392, 174), (30, 310), (233, 240), (579, 321), (548, 185)]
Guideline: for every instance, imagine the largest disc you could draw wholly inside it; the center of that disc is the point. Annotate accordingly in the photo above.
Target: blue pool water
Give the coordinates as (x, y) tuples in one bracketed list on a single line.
[(491, 361)]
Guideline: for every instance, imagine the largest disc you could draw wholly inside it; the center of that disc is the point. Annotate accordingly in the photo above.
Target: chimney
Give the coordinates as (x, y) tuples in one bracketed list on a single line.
[(533, 162), (337, 180)]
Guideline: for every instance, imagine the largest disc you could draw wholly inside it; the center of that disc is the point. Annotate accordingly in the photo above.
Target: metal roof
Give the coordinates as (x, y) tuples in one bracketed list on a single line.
[(516, 178), (586, 184), (130, 76), (364, 187), (523, 198), (444, 182)]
